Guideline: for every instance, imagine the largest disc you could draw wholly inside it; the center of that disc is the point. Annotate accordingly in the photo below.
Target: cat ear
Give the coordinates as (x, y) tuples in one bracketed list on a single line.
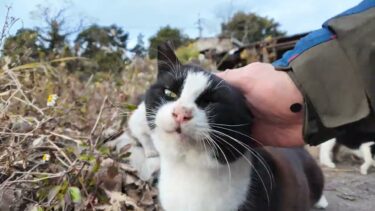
[(167, 59)]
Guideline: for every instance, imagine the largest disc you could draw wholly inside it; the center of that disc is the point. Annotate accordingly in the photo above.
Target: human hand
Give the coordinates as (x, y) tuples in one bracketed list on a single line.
[(271, 96)]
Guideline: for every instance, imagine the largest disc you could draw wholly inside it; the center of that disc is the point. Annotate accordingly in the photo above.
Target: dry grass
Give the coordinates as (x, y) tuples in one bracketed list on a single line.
[(54, 157)]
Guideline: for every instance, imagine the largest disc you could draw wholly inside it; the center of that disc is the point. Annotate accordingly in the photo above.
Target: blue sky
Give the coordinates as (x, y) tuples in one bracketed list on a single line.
[(147, 16)]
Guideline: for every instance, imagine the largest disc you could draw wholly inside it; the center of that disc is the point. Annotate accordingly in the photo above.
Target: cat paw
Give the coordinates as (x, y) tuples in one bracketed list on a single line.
[(364, 169), (149, 168), (322, 203), (329, 164)]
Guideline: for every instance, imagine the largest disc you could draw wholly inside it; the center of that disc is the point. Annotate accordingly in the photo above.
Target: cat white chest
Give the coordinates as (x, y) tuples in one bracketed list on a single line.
[(186, 188)]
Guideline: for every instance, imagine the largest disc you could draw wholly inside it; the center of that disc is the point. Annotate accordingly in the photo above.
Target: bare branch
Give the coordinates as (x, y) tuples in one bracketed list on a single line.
[(99, 115), (60, 151), (8, 23)]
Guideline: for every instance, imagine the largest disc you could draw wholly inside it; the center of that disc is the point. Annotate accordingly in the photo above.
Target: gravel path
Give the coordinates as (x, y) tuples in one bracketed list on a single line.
[(346, 189)]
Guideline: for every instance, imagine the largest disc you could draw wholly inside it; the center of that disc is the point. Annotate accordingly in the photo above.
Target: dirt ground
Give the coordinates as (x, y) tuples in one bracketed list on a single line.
[(345, 188)]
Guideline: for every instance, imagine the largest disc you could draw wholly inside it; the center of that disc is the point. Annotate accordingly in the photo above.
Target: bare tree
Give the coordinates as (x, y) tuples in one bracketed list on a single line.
[(56, 30), (8, 23)]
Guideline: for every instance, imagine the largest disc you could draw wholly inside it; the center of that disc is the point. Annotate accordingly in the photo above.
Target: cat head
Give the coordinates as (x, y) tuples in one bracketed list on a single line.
[(191, 110)]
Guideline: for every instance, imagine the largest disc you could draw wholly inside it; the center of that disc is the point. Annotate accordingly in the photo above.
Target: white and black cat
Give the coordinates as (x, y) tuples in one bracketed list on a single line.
[(199, 125), (358, 144)]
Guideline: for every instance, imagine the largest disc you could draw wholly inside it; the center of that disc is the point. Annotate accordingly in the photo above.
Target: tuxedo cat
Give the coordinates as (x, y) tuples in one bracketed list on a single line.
[(358, 144), (199, 125)]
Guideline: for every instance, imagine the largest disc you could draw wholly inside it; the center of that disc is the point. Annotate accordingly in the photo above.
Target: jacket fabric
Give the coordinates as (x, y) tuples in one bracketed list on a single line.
[(334, 68)]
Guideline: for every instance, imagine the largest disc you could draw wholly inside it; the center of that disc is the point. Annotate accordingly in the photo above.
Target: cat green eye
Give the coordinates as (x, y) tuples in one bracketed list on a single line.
[(170, 94)]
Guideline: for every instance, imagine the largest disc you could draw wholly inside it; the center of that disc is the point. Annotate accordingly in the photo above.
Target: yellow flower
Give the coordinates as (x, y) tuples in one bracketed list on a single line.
[(51, 100), (46, 157)]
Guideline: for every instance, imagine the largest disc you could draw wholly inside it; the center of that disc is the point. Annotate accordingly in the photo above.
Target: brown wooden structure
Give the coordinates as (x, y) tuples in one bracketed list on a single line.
[(268, 50)]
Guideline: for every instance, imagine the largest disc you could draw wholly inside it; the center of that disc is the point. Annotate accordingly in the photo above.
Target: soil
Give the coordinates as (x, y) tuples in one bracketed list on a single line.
[(345, 188)]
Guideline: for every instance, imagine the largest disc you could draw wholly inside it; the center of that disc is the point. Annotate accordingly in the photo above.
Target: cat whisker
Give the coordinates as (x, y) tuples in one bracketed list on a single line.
[(151, 113), (225, 157), (262, 181), (213, 148), (236, 125), (215, 151), (243, 145), (224, 128), (248, 148), (261, 160), (210, 117), (208, 130), (218, 84), (258, 157), (216, 148), (204, 146)]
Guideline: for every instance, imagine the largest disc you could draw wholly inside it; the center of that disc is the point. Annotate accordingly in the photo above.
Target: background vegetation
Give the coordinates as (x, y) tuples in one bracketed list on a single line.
[(65, 93)]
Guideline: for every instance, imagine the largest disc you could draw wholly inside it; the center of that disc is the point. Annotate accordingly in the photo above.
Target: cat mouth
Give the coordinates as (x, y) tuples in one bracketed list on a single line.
[(177, 130)]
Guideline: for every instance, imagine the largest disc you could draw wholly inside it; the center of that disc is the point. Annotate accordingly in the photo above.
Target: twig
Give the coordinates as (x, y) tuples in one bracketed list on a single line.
[(60, 150), (83, 185), (65, 137), (62, 161), (11, 74), (7, 103), (27, 102), (8, 23), (6, 183), (36, 180), (99, 136), (17, 134), (36, 173), (99, 115), (93, 145)]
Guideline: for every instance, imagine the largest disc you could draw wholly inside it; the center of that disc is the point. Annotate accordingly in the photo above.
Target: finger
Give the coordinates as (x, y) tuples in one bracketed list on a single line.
[(232, 76)]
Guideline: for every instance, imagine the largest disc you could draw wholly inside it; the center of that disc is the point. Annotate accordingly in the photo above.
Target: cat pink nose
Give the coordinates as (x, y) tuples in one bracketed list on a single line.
[(182, 114)]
